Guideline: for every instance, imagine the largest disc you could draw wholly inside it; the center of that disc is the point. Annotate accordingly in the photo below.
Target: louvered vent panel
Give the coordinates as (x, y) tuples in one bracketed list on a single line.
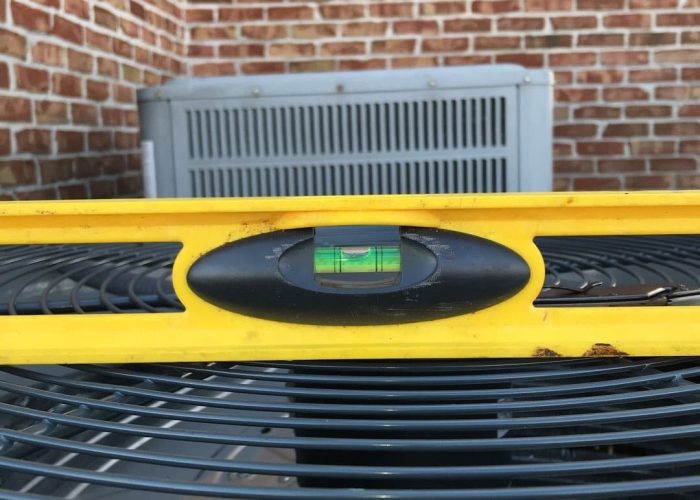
[(345, 129), (445, 176)]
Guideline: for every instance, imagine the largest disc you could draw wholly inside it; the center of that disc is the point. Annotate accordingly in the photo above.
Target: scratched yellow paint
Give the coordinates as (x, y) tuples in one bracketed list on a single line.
[(204, 332)]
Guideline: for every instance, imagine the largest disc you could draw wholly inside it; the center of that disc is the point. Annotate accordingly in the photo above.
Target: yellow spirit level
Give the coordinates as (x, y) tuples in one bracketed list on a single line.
[(438, 276)]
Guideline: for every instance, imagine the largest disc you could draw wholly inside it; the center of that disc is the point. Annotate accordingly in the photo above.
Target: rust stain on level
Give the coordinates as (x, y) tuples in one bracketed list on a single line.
[(603, 350), (543, 352)]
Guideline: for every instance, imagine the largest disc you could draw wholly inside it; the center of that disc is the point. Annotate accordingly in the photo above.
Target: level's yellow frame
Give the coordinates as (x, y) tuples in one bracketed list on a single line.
[(204, 332)]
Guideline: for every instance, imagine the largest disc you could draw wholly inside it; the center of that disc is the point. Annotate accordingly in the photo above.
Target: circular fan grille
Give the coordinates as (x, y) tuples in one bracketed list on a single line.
[(610, 427)]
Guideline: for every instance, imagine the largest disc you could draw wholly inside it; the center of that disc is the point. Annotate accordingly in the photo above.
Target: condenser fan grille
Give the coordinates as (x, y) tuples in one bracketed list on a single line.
[(420, 429)]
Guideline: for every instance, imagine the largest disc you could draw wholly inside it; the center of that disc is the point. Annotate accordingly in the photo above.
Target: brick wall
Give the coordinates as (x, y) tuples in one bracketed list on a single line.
[(627, 110), (68, 74), (627, 113)]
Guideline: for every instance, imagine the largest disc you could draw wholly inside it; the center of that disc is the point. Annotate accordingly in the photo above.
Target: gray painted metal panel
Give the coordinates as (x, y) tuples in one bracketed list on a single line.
[(444, 130)]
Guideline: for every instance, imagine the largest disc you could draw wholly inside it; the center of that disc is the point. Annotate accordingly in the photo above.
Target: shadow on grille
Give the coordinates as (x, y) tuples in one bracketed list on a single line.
[(421, 429)]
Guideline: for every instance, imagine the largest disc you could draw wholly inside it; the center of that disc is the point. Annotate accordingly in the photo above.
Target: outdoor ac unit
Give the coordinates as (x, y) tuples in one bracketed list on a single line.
[(441, 130)]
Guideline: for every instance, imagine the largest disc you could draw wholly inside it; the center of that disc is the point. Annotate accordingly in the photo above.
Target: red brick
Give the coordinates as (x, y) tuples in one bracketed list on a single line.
[(652, 75), (129, 186), (72, 192), (415, 26), (600, 4), (620, 166), (79, 61), (102, 189), (55, 170), (12, 44), (548, 41), (97, 91), (393, 46), (35, 141), (561, 184), (98, 41), (242, 50), (4, 75), (51, 112), (678, 128), (688, 181), (560, 149), (129, 28), (573, 59), (291, 49), (99, 140), (290, 13), (342, 48), (394, 9), (600, 148), (575, 94), (690, 147), (342, 11), (262, 67), (207, 15), (227, 32), (5, 142), (17, 173), (678, 19), (31, 79), (414, 62), (49, 54), (600, 112), (626, 130), (467, 25), (652, 147), (494, 6), (123, 93), (362, 64), (653, 4), (69, 141), (527, 60), (625, 94), (105, 18), (107, 67), (66, 85), (68, 30), (649, 182), (213, 69), (267, 32), (361, 29), (445, 44), (690, 74), (84, 114), (647, 111), (682, 93), (574, 22), (123, 48), (126, 140), (467, 60), (596, 183), (576, 130), (112, 116), (689, 110), (240, 14), (600, 76), (678, 56), (547, 5), (29, 18), (624, 57), (672, 164), (137, 9), (442, 8), (200, 50), (312, 66), (573, 166), (627, 21), (654, 39), (601, 40), (317, 31), (496, 42), (46, 193), (520, 23)]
